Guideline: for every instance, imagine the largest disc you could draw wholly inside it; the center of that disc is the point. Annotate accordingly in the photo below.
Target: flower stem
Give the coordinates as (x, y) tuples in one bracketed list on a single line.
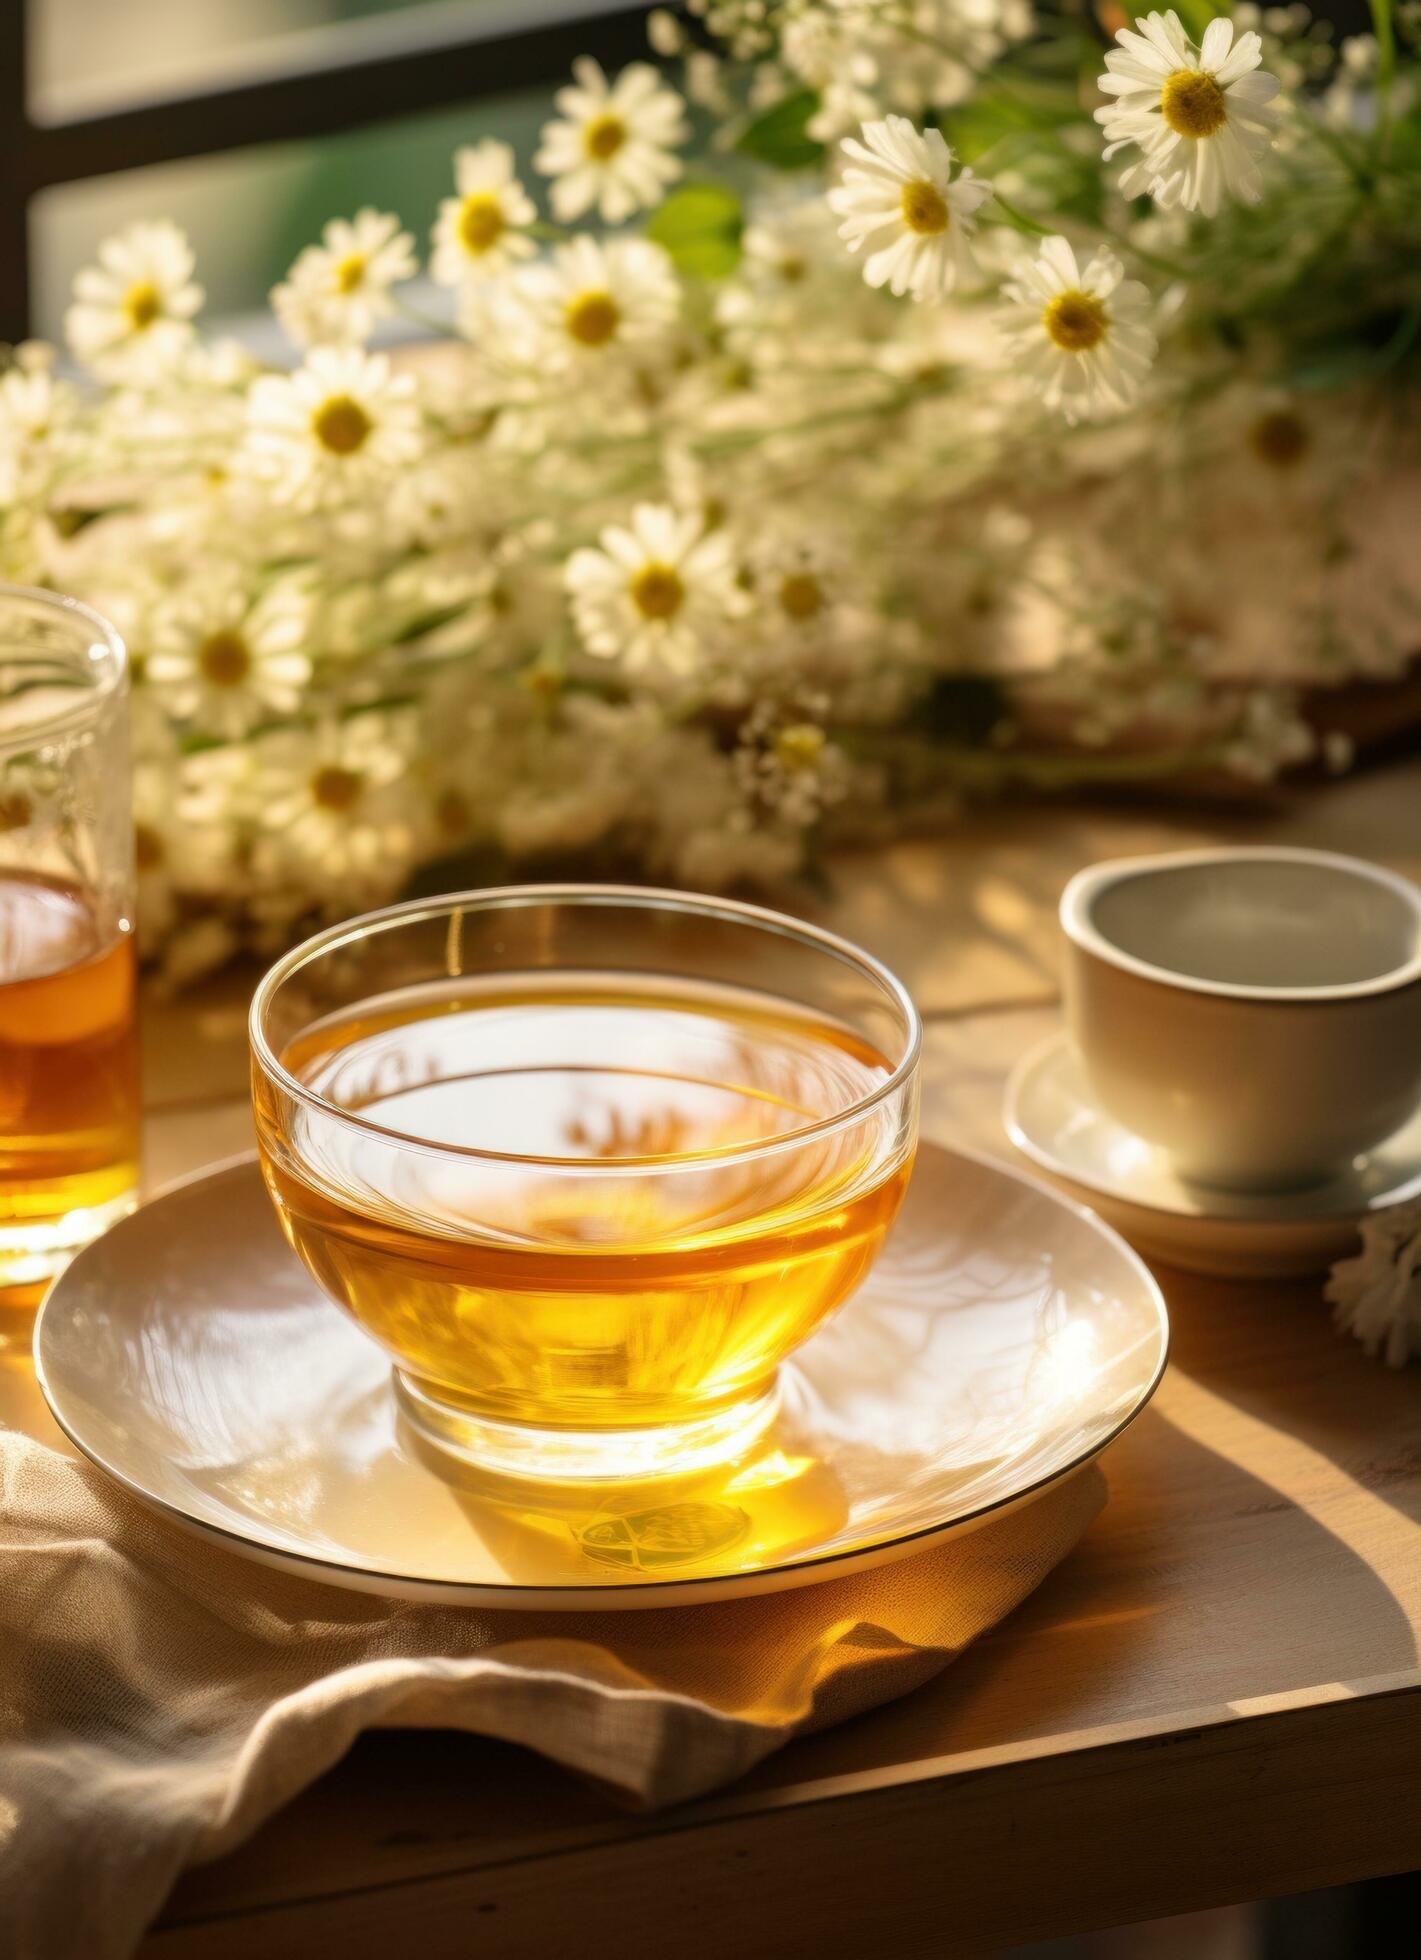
[(1018, 220), (1022, 222), (1385, 30)]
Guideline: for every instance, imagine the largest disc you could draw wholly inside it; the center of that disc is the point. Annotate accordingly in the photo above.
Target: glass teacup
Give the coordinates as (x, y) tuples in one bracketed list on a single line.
[(588, 1162)]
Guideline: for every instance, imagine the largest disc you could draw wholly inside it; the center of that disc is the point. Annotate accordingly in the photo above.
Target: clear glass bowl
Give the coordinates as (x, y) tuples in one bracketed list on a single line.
[(589, 1162)]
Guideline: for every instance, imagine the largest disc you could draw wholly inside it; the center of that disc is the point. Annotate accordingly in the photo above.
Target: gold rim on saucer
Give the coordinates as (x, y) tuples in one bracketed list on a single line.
[(1003, 1340)]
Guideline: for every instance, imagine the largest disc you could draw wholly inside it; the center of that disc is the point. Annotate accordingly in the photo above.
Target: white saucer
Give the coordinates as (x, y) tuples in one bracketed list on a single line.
[(1003, 1339), (1051, 1115)]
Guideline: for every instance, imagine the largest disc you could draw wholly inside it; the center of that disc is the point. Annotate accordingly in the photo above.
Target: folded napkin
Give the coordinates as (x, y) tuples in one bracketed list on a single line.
[(159, 1697)]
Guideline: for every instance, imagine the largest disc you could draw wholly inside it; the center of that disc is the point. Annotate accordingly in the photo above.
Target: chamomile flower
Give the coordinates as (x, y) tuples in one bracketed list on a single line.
[(591, 302), (1377, 1294), (227, 660), (612, 146), (340, 425), (796, 583), (788, 766), (901, 200), (34, 405), (1081, 334), (1200, 116), (37, 414), (483, 228), (655, 591), (336, 799), (338, 291), (132, 314)]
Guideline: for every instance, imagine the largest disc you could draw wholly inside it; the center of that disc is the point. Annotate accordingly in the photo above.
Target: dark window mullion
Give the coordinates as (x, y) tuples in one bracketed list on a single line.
[(458, 63)]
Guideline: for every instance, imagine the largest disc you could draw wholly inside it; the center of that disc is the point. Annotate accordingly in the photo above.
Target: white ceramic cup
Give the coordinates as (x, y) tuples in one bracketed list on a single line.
[(1255, 1012)]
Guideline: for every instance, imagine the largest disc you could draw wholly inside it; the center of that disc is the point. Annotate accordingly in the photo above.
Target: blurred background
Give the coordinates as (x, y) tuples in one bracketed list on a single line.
[(106, 74)]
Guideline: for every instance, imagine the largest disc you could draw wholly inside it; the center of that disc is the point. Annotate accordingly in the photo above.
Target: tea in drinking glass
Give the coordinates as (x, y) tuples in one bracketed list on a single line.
[(592, 1165), (69, 1098)]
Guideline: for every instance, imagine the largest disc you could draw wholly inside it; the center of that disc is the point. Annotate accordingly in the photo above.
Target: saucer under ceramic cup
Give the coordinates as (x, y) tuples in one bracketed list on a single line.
[(1256, 1013), (1002, 1340), (1052, 1116)]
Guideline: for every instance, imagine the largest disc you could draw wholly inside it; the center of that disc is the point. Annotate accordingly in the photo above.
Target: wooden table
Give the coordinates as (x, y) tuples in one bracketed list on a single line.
[(1216, 1697)]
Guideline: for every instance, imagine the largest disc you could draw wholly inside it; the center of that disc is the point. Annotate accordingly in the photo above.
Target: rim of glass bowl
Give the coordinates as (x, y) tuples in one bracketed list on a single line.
[(644, 897), (112, 668)]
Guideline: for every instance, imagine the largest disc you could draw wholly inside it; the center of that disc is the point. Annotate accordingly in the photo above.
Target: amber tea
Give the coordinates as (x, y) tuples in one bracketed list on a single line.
[(585, 1202), (69, 1097), (588, 1162)]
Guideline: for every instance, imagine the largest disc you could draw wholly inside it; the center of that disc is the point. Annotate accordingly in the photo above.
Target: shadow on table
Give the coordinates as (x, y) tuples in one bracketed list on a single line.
[(1201, 1585), (1272, 1353)]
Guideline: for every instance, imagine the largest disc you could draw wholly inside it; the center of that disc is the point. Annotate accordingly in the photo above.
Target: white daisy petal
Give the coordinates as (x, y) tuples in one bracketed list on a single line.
[(1200, 117), (1078, 334), (900, 199), (613, 150)]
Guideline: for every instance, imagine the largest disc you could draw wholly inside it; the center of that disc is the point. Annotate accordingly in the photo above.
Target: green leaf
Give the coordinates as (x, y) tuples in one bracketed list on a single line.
[(781, 138), (700, 226)]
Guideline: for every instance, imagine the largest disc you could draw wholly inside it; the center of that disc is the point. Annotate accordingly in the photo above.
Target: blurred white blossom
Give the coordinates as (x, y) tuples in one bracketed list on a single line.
[(1376, 1296), (1081, 335), (900, 200), (654, 590), (1201, 116), (339, 427), (337, 292), (226, 657), (484, 226), (613, 147), (132, 312)]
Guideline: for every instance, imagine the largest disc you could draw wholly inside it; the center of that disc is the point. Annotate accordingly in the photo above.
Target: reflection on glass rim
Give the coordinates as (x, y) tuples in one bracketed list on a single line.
[(634, 897)]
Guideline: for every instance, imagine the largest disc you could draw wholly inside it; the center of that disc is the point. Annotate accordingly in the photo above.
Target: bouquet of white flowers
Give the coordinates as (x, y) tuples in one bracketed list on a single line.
[(1028, 426)]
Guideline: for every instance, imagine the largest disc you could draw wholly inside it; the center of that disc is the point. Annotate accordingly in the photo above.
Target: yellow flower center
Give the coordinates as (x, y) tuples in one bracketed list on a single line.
[(340, 425), (924, 208), (481, 223), (1076, 321), (604, 136), (224, 660), (142, 305), (1280, 438), (350, 272), (336, 789), (593, 318), (1193, 103), (147, 847), (799, 746), (801, 595), (657, 591)]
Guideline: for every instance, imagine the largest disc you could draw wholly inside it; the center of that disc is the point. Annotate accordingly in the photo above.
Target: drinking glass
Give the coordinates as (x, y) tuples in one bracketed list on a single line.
[(69, 1096), (588, 1162)]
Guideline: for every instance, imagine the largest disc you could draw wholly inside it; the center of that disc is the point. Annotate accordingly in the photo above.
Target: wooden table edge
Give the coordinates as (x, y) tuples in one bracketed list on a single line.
[(1029, 1840)]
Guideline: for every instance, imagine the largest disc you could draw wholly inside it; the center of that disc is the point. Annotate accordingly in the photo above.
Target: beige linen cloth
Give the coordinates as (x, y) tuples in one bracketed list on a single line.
[(160, 1697)]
